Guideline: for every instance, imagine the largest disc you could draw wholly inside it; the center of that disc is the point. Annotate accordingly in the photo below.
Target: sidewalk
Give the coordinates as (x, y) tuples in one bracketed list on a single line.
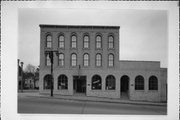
[(88, 98)]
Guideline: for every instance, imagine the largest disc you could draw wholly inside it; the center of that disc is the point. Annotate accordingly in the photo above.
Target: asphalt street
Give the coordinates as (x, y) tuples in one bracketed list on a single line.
[(59, 106)]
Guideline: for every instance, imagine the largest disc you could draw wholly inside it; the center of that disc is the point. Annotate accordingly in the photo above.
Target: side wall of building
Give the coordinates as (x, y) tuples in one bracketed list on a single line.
[(163, 84)]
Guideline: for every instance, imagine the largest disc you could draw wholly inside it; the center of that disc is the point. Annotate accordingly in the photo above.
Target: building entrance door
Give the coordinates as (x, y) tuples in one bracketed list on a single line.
[(79, 84), (125, 87)]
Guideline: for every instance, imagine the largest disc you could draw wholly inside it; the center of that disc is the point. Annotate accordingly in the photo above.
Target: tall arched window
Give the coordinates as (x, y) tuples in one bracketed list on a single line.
[(73, 41), (86, 41), (110, 60), (98, 59), (47, 61), (153, 83), (110, 82), (139, 82), (61, 41), (47, 81), (61, 59), (73, 59), (48, 41), (86, 59), (110, 42), (96, 82), (62, 82), (98, 41)]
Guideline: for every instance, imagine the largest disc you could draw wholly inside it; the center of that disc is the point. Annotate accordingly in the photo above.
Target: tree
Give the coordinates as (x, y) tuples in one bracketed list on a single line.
[(30, 72), (30, 68)]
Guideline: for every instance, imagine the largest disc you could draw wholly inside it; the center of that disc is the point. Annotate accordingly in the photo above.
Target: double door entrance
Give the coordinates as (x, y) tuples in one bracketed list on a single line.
[(79, 84)]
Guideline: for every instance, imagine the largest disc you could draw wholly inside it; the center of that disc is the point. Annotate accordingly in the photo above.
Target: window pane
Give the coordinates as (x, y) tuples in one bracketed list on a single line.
[(61, 59), (110, 82), (73, 60), (73, 41), (48, 61), (86, 41), (96, 82), (98, 42), (61, 41), (86, 59), (111, 60), (153, 83), (98, 60), (139, 83), (62, 82), (48, 41), (47, 82), (111, 42)]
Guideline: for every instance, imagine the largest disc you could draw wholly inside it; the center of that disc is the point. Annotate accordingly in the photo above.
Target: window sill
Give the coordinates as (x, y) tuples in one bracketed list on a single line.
[(140, 90)]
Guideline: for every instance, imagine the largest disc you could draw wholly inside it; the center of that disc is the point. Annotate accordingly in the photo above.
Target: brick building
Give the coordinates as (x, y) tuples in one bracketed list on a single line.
[(88, 63)]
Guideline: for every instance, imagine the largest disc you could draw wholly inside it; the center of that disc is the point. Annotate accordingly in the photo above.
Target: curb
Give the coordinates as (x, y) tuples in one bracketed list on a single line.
[(106, 101)]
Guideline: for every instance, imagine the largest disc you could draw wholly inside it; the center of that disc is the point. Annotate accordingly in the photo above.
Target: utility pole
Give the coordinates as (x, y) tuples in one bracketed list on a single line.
[(51, 56)]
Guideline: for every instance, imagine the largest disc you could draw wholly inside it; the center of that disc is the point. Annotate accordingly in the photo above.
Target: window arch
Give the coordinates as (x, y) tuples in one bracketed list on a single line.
[(61, 59), (110, 42), (63, 82), (47, 61), (61, 41), (73, 59), (48, 41), (73, 41), (110, 82), (98, 59), (139, 82), (86, 59), (96, 82), (153, 83), (47, 81), (98, 42), (86, 41), (110, 60)]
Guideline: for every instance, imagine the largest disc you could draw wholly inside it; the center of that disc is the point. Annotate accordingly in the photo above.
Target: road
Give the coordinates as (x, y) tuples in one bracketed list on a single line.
[(60, 106)]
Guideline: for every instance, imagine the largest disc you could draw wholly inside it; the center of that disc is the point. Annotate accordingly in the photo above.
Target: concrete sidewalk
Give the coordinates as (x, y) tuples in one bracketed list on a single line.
[(88, 98)]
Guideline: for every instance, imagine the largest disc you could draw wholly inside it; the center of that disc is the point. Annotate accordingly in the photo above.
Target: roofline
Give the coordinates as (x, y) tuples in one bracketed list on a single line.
[(77, 26), (138, 61)]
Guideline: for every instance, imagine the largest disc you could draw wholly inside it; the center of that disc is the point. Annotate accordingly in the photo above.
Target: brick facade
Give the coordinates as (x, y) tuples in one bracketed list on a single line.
[(120, 68)]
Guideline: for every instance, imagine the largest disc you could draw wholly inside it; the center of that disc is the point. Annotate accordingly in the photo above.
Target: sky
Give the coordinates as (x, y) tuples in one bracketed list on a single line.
[(143, 33)]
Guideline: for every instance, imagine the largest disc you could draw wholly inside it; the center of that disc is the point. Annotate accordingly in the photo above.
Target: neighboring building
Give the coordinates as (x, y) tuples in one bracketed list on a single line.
[(88, 63)]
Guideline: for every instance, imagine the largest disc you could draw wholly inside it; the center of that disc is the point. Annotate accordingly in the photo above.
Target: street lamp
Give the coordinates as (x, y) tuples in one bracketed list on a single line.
[(22, 76), (51, 56)]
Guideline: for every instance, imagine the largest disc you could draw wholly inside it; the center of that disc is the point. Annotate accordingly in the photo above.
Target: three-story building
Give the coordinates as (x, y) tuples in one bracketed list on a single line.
[(88, 62)]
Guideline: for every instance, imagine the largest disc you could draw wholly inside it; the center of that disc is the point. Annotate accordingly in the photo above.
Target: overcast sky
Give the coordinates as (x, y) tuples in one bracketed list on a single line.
[(143, 33)]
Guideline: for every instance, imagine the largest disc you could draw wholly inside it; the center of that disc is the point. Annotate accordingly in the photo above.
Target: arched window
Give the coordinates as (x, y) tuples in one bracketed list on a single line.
[(73, 41), (47, 61), (73, 59), (153, 83), (96, 82), (86, 59), (98, 41), (110, 82), (110, 60), (86, 41), (110, 42), (139, 83), (61, 41), (62, 82), (61, 59), (47, 81), (48, 41), (98, 59)]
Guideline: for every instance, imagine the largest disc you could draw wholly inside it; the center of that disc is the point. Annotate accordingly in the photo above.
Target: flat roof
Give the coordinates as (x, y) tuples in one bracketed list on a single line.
[(77, 26)]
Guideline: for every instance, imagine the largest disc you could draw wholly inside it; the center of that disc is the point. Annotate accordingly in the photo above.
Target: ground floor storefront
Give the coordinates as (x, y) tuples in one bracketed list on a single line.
[(131, 85)]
